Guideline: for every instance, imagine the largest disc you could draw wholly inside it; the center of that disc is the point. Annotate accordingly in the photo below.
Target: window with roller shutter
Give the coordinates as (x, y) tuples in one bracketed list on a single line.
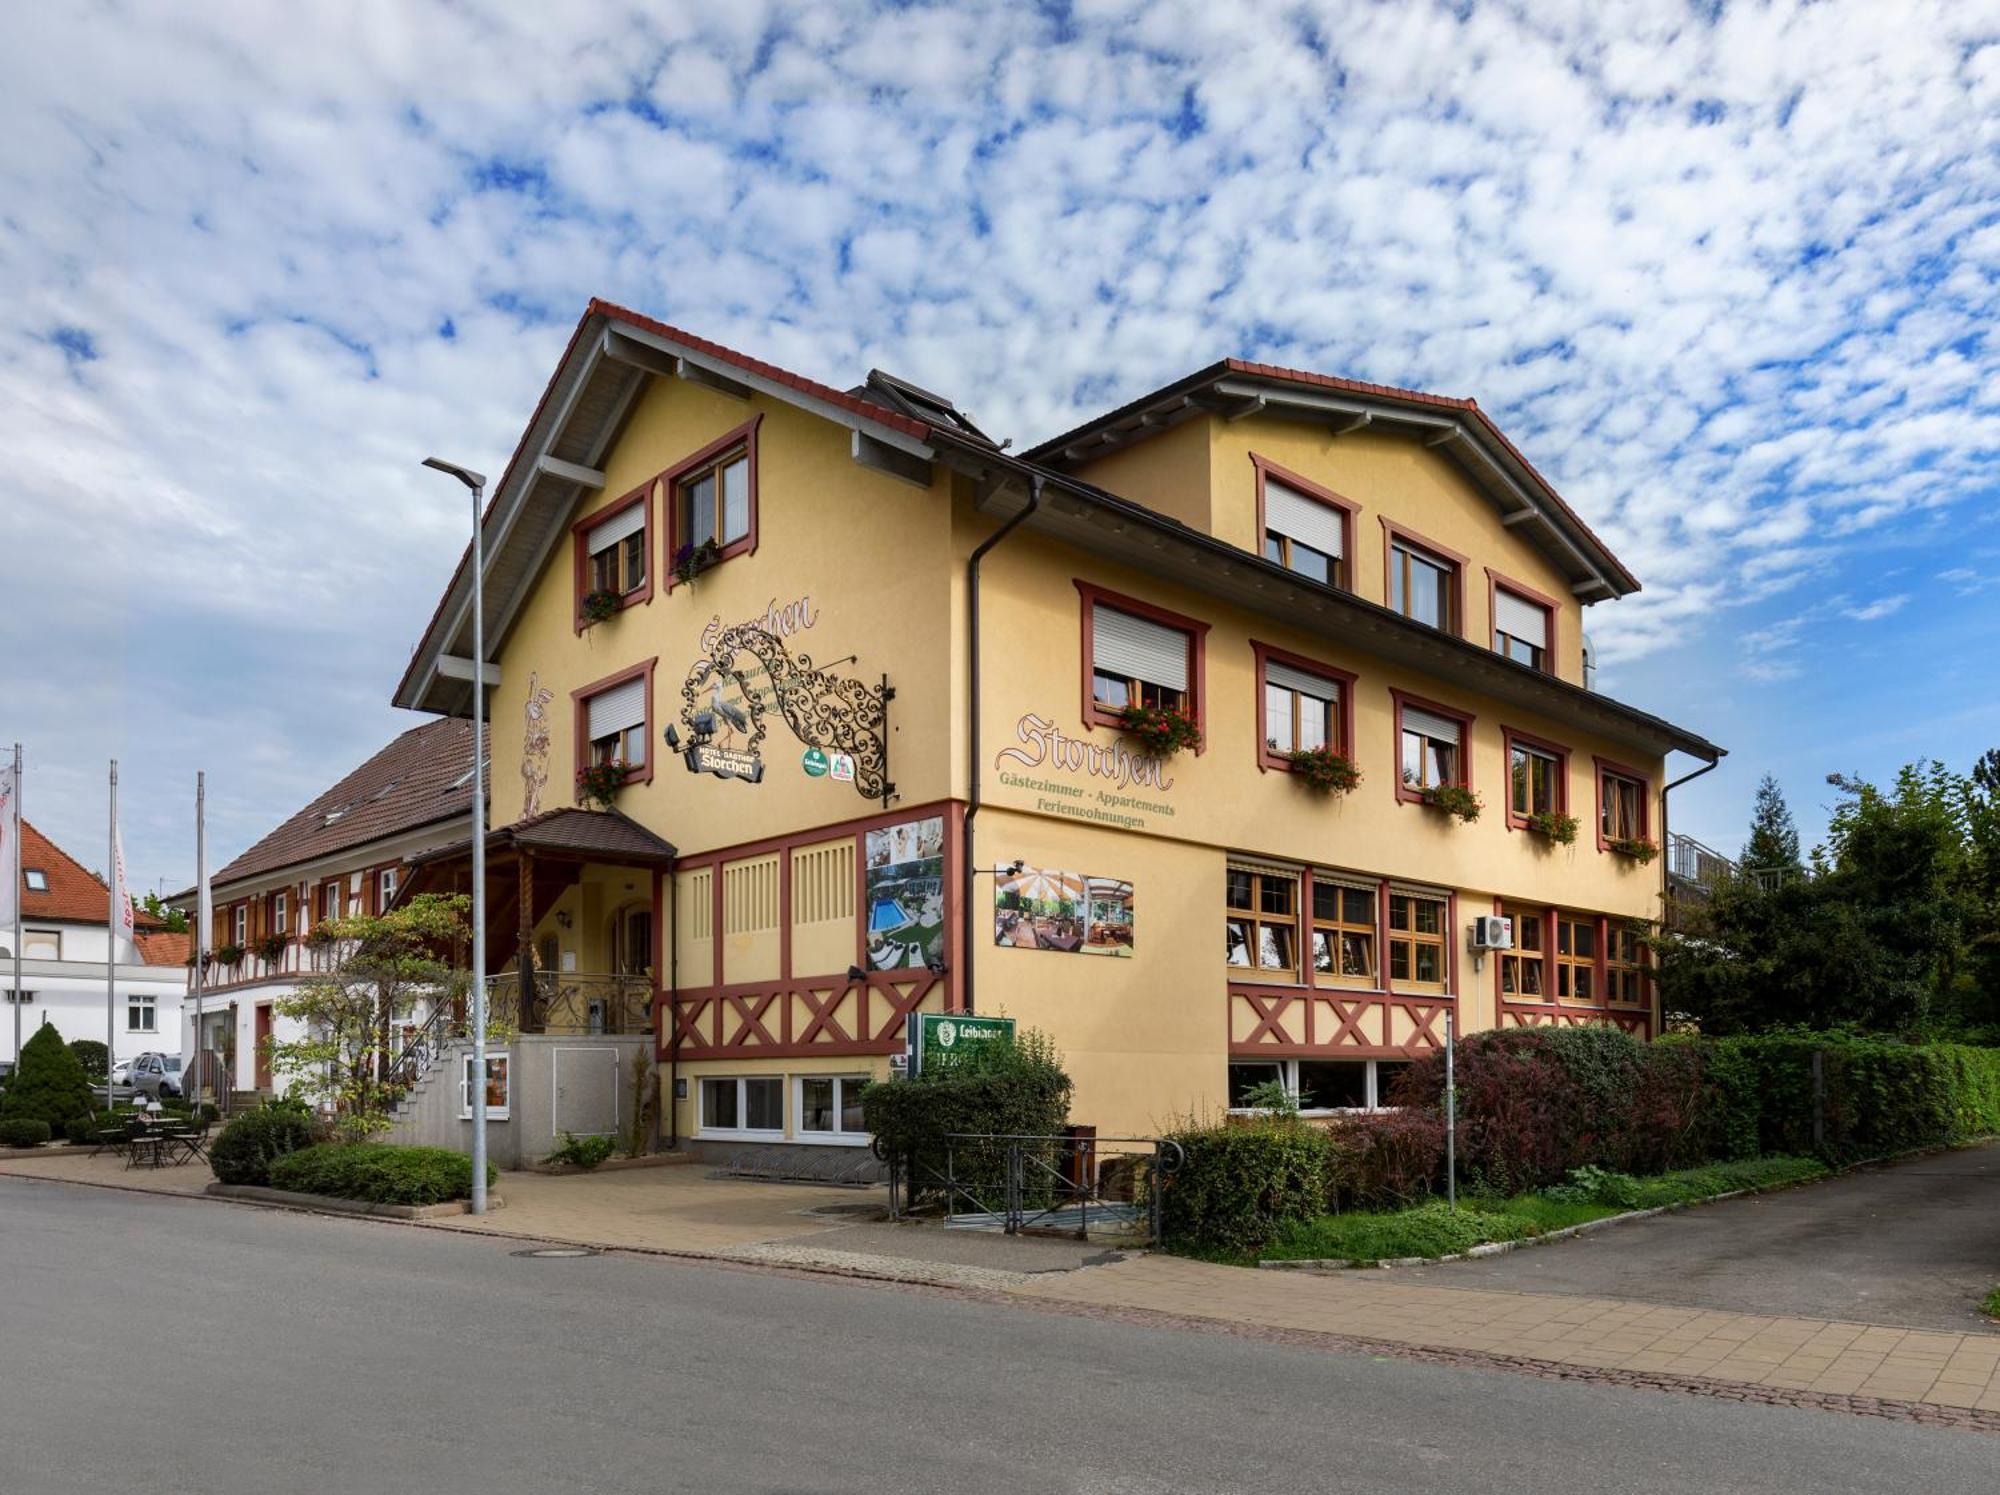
[(1136, 654), (613, 721)]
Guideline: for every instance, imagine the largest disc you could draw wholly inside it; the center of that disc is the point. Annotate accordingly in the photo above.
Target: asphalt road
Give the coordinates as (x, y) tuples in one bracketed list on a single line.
[(157, 1343), (1913, 1244)]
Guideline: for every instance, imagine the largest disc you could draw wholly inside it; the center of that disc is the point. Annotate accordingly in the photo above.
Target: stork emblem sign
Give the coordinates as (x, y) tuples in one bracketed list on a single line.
[(745, 677)]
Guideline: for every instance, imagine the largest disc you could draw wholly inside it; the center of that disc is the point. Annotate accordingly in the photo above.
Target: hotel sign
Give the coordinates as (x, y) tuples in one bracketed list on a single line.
[(1044, 745), (724, 763)]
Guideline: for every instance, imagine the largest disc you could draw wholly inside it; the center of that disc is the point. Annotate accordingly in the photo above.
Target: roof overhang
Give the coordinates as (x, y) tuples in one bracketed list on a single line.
[(559, 463), (1463, 431), (1130, 534)]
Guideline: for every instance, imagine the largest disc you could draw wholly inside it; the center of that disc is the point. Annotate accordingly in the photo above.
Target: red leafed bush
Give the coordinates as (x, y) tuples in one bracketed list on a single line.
[(1385, 1161)]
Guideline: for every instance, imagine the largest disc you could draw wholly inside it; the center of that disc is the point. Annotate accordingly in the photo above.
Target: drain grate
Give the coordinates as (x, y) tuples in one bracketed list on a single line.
[(560, 1251)]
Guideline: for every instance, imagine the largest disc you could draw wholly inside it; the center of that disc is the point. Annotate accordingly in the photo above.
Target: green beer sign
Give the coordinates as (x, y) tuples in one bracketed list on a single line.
[(953, 1033)]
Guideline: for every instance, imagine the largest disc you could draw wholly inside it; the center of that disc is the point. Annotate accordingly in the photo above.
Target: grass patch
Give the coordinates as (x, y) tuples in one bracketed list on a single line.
[(1991, 1307), (1432, 1230)]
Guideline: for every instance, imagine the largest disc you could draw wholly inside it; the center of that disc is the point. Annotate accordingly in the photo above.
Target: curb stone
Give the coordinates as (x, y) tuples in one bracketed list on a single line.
[(326, 1204)]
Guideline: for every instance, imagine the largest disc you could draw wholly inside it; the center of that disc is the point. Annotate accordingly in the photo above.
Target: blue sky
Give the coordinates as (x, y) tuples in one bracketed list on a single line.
[(1726, 272)]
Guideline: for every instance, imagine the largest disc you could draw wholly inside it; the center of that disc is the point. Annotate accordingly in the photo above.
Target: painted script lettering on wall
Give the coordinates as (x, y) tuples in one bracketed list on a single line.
[(1044, 744)]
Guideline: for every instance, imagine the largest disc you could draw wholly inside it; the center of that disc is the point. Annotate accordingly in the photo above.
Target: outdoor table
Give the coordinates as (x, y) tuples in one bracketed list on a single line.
[(182, 1143), (112, 1137)]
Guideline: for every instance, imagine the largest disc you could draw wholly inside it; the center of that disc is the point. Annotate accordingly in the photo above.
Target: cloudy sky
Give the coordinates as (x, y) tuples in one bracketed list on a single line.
[(1726, 272)]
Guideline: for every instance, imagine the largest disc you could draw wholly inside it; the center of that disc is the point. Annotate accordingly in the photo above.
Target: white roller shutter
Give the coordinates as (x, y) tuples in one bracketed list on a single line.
[(618, 708), (1138, 649), (1521, 619), (627, 521), (1292, 514), (1287, 678), (1442, 728)]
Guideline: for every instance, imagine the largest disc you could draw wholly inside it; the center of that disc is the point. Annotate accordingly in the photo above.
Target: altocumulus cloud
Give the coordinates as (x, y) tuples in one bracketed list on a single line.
[(1724, 272)]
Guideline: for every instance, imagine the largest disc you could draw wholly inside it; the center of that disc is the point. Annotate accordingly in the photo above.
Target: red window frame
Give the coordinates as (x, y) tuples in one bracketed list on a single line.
[(1344, 679), (1346, 508), (580, 549), (669, 480), (1393, 532), (1498, 582), (579, 704), (1609, 768), (1090, 594), (1404, 793), (1509, 736)]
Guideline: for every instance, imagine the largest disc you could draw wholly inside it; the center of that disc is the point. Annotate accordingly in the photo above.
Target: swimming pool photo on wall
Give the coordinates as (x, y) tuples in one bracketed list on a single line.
[(906, 894)]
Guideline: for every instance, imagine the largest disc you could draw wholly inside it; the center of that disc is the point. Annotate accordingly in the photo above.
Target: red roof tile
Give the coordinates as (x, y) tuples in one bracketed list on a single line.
[(160, 947), (422, 777), (74, 893)]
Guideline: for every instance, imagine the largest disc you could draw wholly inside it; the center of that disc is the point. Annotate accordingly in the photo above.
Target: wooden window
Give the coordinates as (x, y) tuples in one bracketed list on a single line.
[(1433, 746), (1537, 777), (1343, 933), (1523, 969), (613, 548), (1417, 940), (240, 926), (1305, 528), (711, 498), (1262, 921), (1522, 628), (613, 718), (1301, 704), (1576, 958), (1621, 803), (1136, 654), (385, 888), (330, 900), (1625, 965), (279, 913), (1423, 585)]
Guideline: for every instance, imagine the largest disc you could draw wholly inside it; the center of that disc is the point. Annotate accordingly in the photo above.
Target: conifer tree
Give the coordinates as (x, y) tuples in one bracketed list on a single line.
[(49, 1085), (1774, 839)]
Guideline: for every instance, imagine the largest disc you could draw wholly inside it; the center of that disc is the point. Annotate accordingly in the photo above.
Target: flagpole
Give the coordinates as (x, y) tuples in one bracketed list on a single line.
[(15, 872), (200, 942), (111, 926)]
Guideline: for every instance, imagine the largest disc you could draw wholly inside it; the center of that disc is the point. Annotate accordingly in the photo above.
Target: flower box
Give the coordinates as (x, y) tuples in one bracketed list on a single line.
[(1454, 800), (600, 604), (1638, 848), (1161, 730), (599, 783), (1561, 829), (1324, 769), (691, 560)]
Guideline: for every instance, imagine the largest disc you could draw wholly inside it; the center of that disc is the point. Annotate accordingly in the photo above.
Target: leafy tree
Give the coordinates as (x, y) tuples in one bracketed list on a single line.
[(173, 918), (92, 1055), (49, 1084), (1774, 838), (397, 962)]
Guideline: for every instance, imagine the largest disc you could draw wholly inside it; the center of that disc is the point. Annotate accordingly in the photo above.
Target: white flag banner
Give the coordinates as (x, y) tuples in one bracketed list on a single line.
[(204, 918), (10, 851), (121, 900)]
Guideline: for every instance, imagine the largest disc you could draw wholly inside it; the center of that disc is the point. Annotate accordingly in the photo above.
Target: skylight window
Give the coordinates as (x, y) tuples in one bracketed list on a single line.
[(36, 879)]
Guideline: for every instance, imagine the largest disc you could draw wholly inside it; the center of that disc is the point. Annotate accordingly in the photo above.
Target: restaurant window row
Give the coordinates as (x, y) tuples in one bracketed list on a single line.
[(1323, 928), (1573, 957)]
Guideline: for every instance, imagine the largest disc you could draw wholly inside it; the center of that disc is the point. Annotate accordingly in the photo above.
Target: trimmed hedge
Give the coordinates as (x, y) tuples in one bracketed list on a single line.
[(22, 1132), (244, 1151), (379, 1172)]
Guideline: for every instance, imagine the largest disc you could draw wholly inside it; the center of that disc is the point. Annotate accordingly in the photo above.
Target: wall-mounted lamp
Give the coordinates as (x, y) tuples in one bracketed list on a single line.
[(673, 738), (563, 918), (936, 966), (855, 973), (1012, 869)]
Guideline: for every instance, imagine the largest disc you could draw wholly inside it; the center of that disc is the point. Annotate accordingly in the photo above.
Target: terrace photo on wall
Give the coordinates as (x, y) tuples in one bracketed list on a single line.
[(906, 894), (1108, 927), (1039, 909)]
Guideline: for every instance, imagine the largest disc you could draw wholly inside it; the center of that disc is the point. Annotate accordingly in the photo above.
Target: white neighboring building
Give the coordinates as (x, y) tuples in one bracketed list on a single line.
[(64, 941)]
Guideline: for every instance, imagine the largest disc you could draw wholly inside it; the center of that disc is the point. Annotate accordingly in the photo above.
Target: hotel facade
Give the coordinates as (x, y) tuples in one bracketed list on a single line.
[(856, 677)]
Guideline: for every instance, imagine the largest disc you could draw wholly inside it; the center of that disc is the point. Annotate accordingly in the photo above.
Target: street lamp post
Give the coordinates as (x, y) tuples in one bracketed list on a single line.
[(477, 484)]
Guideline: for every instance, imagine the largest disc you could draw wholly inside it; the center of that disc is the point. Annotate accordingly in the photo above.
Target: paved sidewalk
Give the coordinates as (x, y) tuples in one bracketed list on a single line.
[(683, 1211)]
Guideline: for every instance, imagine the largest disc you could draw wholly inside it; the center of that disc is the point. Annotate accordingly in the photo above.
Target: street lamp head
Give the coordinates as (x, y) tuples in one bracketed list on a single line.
[(473, 480)]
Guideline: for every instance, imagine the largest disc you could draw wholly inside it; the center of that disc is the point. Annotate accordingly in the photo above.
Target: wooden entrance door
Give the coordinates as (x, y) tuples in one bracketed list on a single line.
[(263, 1045)]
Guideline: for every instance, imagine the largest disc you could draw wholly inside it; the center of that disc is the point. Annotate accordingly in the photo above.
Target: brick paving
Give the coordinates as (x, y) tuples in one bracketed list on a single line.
[(1918, 1375)]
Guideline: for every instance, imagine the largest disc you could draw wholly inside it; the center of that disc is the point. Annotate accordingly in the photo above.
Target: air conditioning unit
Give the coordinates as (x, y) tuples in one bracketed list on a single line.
[(1492, 932)]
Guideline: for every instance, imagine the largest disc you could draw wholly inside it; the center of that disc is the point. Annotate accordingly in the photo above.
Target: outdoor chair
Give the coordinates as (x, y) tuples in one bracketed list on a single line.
[(187, 1141)]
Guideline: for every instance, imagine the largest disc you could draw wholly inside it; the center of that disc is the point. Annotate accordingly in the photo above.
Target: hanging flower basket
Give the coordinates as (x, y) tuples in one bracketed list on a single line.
[(1638, 848), (599, 605), (271, 946), (227, 955), (1454, 800), (1324, 769), (320, 935), (1561, 829), (600, 782), (1161, 730), (691, 560)]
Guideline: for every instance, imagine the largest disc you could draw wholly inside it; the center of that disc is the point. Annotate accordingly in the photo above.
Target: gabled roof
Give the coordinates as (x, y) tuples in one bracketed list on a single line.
[(422, 777), (75, 895), (567, 831), (1467, 433)]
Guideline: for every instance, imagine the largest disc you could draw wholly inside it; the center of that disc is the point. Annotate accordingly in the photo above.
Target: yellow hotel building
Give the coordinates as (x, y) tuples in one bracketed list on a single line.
[(862, 674)]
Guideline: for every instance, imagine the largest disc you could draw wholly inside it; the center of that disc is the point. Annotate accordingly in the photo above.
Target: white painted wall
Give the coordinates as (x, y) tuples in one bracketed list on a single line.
[(69, 993)]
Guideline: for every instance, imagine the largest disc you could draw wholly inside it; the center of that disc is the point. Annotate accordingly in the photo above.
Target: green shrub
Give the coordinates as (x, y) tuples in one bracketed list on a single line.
[(1238, 1183), (92, 1055), (1591, 1184), (379, 1172), (581, 1152), (1367, 1235), (83, 1130), (22, 1132), (49, 1084), (245, 1150), (994, 1089)]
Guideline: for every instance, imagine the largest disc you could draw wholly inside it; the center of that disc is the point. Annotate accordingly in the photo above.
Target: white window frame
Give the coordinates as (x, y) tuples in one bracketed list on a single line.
[(502, 1112), (703, 1129), (836, 1137), (239, 925), (35, 879), (1288, 1071), (279, 913), (140, 1004), (31, 937), (385, 888)]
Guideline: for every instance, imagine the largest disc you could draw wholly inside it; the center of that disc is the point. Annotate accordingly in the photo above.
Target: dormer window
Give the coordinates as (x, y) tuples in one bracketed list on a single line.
[(1306, 528)]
